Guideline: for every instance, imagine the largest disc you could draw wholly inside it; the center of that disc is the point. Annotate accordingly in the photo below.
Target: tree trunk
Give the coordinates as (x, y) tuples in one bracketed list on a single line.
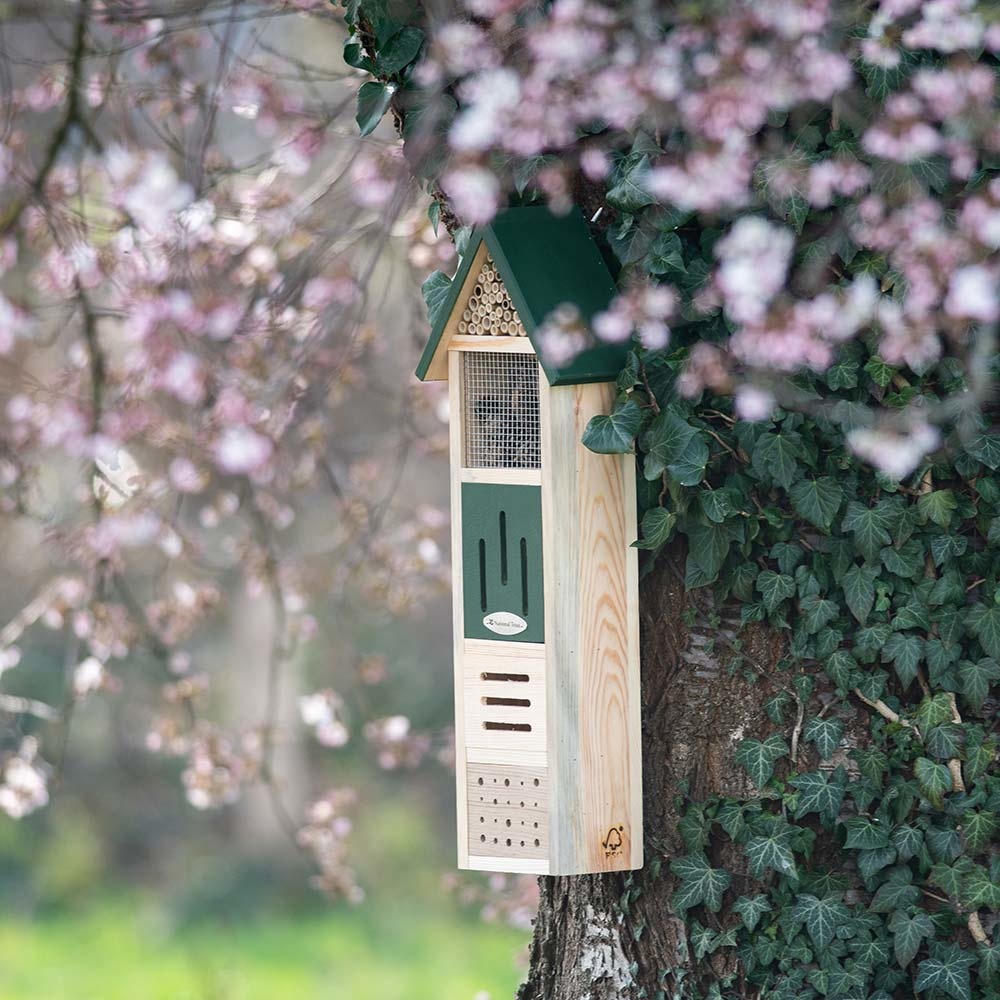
[(616, 937)]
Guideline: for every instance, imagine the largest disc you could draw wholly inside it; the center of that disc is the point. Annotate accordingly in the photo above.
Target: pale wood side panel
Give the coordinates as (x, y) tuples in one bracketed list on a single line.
[(458, 624), (588, 517)]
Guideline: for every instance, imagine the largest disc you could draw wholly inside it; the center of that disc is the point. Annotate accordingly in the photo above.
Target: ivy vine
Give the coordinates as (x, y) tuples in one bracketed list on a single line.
[(871, 871)]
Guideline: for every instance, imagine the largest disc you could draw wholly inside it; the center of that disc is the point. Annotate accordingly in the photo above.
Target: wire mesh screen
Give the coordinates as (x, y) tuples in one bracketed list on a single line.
[(502, 425)]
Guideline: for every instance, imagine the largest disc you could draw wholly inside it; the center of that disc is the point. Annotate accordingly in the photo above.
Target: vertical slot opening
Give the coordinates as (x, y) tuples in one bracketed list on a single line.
[(503, 548), (482, 573), (524, 577)]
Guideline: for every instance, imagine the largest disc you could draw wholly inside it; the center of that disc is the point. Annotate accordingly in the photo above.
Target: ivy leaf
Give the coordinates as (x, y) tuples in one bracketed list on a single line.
[(906, 561), (629, 193), (772, 851), (826, 734), (985, 624), (614, 433), (979, 890), (907, 840), (950, 877), (708, 546), (775, 458), (904, 652), (751, 909), (908, 933), (758, 757), (948, 971), (870, 863), (817, 612), (840, 668), (934, 710), (821, 917), (665, 442), (657, 527), (859, 591), (700, 883), (975, 679), (817, 500), (666, 254), (775, 588), (436, 289), (945, 741), (689, 468), (979, 827), (818, 794), (373, 102), (985, 448), (399, 50), (730, 818), (879, 372), (938, 506), (869, 526), (866, 833), (934, 780), (894, 895)]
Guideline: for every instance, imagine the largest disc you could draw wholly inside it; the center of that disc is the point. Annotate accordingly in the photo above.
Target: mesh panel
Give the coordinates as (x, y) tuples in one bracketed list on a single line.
[(501, 411)]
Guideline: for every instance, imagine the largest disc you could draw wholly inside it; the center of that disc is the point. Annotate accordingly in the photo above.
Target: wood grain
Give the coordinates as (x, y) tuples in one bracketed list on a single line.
[(591, 612)]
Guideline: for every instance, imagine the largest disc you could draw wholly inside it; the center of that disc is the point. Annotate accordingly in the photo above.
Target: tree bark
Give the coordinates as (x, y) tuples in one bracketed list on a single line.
[(616, 936)]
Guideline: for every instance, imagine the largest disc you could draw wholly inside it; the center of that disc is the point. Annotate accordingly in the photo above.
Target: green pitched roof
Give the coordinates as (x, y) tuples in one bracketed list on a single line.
[(545, 260)]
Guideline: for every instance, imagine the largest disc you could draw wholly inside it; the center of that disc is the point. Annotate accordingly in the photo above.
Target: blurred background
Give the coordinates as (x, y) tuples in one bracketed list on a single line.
[(120, 887)]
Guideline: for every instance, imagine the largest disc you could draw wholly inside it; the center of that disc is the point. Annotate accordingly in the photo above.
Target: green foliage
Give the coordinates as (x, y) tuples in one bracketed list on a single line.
[(887, 597), (700, 883), (614, 433), (759, 757)]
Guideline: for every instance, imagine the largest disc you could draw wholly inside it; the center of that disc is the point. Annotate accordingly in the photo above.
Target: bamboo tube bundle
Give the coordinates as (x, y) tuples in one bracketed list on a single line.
[(489, 311)]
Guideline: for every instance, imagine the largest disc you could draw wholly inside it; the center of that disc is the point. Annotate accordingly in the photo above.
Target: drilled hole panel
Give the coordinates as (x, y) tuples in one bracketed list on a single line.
[(508, 811), (501, 418)]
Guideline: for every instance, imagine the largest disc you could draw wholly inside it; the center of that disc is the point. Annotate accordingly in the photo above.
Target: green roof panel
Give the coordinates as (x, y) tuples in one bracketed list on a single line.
[(545, 260)]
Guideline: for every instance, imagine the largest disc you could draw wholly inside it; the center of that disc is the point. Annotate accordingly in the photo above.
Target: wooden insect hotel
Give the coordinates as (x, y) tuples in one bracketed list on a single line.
[(545, 578)]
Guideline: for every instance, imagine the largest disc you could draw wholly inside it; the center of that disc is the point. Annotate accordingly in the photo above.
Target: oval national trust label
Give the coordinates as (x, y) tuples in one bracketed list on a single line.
[(505, 622)]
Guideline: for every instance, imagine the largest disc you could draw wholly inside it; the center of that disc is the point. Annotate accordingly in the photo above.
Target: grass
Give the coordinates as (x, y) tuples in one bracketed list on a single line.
[(124, 950)]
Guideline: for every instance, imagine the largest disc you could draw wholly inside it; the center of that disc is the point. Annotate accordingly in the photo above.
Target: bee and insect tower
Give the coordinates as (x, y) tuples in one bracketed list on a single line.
[(547, 719)]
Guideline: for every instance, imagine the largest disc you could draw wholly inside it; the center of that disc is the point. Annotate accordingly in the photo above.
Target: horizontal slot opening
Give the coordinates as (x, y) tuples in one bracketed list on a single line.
[(509, 727), (513, 702), (518, 678)]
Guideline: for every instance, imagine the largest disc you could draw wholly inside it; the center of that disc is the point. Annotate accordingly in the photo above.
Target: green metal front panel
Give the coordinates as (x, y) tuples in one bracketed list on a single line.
[(502, 561)]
